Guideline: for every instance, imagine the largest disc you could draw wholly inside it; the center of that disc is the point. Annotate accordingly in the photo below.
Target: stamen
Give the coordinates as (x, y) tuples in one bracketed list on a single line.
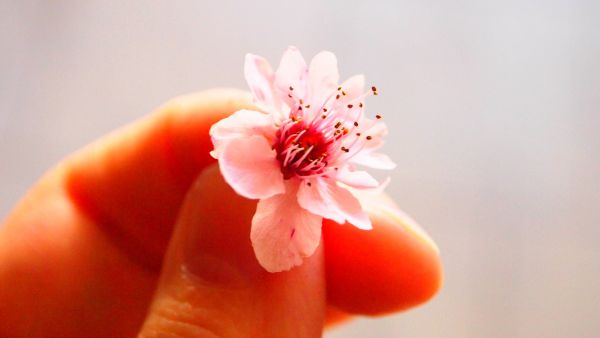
[(301, 159)]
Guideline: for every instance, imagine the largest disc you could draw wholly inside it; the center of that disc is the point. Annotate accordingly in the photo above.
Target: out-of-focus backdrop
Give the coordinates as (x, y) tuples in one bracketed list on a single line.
[(493, 106)]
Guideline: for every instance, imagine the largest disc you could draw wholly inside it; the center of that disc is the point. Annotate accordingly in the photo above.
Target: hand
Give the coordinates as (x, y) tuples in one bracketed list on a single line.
[(82, 253)]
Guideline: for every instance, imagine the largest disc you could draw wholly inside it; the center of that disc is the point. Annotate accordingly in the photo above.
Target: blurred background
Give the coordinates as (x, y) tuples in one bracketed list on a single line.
[(493, 106)]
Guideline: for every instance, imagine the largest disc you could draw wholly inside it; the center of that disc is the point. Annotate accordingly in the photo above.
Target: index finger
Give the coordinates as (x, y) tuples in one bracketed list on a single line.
[(133, 181)]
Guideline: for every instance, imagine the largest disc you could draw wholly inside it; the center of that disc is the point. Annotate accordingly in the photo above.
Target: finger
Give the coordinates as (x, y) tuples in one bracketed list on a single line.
[(133, 181), (390, 268), (60, 276), (212, 285), (70, 262)]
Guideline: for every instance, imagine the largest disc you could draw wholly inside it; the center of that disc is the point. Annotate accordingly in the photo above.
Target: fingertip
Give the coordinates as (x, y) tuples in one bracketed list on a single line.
[(393, 267)]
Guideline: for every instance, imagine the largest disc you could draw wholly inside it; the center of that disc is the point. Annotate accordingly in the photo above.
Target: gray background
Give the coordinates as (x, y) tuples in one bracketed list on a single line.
[(493, 109)]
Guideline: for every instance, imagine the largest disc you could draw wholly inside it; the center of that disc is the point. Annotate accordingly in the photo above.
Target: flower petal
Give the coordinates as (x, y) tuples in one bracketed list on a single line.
[(356, 178), (354, 88), (323, 77), (250, 167), (283, 233), (377, 130), (325, 198), (292, 72), (260, 77), (314, 197), (373, 160), (367, 156), (243, 123)]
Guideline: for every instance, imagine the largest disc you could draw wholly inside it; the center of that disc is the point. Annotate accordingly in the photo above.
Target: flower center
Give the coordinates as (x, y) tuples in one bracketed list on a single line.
[(301, 150), (329, 136)]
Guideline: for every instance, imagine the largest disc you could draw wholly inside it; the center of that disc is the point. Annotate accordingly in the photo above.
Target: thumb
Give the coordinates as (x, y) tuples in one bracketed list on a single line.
[(211, 284)]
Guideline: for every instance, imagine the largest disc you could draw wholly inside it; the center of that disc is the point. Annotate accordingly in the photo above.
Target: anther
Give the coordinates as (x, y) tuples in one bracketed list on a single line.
[(369, 137), (323, 116), (308, 183), (337, 97), (378, 117), (350, 106), (325, 109), (357, 134), (340, 88), (291, 88), (343, 93), (307, 106), (360, 104), (337, 125), (356, 124)]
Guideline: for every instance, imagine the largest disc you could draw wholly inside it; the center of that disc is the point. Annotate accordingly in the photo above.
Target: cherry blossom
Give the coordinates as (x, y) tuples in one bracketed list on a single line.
[(299, 153)]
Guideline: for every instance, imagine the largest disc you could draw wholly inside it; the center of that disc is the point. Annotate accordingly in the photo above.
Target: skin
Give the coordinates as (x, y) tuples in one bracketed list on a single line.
[(137, 234)]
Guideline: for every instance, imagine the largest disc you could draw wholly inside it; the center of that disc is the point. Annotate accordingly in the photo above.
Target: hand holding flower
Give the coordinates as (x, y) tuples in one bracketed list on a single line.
[(138, 231)]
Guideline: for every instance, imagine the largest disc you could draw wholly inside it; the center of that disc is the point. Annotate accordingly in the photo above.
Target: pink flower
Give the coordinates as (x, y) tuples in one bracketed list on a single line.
[(298, 156)]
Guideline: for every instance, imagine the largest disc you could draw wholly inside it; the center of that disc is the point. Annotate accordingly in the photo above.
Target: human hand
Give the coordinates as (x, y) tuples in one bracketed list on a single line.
[(138, 234)]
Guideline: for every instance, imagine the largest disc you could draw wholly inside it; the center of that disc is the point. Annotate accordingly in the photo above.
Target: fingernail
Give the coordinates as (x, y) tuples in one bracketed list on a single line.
[(407, 223)]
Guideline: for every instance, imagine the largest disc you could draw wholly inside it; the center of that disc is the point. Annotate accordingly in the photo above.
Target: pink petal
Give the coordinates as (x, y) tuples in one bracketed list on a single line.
[(314, 197), (377, 130), (260, 76), (373, 160), (241, 124), (250, 167), (354, 87), (325, 198), (367, 156), (283, 233), (356, 178), (292, 72), (323, 77)]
